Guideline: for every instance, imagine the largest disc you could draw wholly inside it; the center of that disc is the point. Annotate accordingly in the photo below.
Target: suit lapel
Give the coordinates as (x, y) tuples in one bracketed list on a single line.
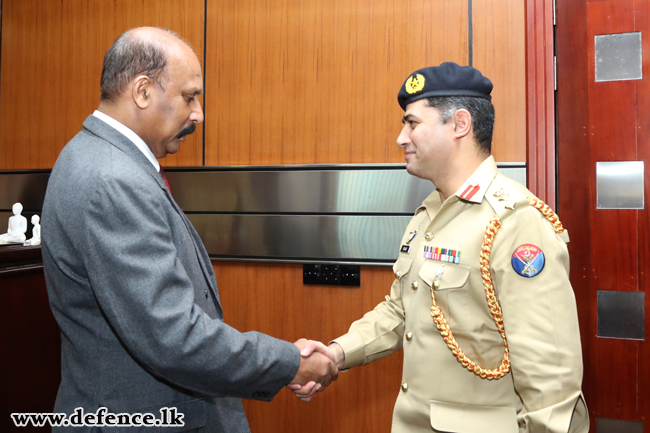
[(101, 129)]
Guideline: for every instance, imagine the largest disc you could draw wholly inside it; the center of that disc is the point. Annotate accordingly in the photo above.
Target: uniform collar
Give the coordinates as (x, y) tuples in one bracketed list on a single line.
[(473, 190)]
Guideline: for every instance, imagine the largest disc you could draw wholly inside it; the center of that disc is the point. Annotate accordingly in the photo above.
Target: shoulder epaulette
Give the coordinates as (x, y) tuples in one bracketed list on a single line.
[(504, 201), (547, 212)]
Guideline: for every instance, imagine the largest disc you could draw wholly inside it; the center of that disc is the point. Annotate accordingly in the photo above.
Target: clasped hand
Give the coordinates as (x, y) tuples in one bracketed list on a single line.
[(319, 366)]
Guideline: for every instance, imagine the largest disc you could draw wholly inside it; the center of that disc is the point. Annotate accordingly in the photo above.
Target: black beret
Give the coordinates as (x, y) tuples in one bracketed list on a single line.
[(448, 79)]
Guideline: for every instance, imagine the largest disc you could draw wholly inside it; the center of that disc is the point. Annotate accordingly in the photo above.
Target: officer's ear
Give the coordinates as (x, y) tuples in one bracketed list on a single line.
[(141, 91), (462, 122)]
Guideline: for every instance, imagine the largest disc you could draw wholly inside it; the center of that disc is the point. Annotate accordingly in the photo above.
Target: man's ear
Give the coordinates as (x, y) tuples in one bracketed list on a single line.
[(462, 123), (141, 91)]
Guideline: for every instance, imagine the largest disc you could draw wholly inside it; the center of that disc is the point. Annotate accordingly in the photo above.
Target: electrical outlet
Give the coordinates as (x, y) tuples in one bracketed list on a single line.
[(335, 275), (311, 274), (350, 275)]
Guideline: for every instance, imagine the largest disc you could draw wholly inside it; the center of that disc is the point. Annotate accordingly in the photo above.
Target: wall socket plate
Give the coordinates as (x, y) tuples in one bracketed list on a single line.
[(335, 275)]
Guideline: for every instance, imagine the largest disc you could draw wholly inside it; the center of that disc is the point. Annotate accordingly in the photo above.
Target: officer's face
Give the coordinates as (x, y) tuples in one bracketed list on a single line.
[(426, 141)]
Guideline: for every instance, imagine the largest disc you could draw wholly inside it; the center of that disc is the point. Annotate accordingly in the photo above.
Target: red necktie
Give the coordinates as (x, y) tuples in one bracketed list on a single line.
[(164, 178)]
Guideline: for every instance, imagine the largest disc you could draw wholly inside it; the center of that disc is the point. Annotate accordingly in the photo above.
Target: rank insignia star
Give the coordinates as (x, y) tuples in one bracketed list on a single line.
[(503, 196)]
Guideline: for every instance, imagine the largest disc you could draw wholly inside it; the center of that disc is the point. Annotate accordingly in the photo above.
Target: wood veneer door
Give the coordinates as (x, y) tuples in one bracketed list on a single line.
[(598, 122)]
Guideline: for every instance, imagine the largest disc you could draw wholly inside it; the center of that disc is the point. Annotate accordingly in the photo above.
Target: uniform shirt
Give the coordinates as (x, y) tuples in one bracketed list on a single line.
[(542, 391)]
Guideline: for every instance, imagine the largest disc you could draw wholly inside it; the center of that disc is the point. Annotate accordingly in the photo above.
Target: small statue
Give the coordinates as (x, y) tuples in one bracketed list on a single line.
[(36, 232), (17, 227)]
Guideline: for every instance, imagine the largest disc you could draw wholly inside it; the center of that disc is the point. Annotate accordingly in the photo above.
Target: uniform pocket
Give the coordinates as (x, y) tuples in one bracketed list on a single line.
[(462, 418), (452, 277), (451, 293)]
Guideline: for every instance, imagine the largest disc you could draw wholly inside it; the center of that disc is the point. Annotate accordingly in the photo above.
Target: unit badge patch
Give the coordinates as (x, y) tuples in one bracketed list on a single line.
[(528, 260)]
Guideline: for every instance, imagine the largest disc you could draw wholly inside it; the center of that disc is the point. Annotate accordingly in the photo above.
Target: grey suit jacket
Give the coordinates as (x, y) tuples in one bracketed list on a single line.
[(133, 291)]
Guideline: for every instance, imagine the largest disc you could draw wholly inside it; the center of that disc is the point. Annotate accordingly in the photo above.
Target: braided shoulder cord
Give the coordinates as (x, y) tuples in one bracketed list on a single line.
[(493, 303), (547, 212), (495, 309)]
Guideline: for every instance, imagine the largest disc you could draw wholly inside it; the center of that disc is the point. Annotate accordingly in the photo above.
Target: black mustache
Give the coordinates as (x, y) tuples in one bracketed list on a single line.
[(189, 129)]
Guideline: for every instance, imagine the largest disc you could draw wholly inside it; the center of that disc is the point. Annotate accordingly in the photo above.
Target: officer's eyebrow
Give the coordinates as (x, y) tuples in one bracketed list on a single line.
[(407, 117)]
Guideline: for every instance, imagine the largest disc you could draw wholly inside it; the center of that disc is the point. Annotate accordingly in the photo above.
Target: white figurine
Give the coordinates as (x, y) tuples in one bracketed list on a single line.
[(17, 226), (36, 232)]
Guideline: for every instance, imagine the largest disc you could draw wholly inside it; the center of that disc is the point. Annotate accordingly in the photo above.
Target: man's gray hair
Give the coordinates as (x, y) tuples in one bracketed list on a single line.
[(481, 110), (129, 56)]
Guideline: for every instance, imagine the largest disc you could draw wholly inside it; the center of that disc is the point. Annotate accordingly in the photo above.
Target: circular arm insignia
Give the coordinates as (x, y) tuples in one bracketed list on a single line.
[(528, 260)]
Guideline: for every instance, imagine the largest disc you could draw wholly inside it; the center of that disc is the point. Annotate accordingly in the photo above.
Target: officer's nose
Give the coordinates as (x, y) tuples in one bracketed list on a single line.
[(404, 137)]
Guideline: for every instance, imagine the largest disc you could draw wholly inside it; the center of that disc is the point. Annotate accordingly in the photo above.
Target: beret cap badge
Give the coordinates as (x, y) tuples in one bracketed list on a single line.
[(448, 79), (414, 84)]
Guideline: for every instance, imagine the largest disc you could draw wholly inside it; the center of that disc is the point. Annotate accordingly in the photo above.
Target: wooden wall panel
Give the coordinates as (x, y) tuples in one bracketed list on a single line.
[(312, 62), (316, 81), (271, 298), (52, 54), (499, 28)]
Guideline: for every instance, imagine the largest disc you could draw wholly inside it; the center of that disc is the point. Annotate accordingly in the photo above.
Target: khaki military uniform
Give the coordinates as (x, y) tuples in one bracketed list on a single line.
[(542, 391)]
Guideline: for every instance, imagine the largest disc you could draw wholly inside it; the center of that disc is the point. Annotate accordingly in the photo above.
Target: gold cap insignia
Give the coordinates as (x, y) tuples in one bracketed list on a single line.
[(414, 84)]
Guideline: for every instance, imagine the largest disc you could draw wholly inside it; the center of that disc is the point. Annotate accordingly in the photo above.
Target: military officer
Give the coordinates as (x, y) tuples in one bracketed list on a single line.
[(481, 303)]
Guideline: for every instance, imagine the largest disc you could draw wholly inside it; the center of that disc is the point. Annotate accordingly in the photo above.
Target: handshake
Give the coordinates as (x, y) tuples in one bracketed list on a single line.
[(319, 366)]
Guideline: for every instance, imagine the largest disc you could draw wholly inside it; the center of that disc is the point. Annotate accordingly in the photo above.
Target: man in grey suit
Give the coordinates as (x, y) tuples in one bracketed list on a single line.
[(129, 281)]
